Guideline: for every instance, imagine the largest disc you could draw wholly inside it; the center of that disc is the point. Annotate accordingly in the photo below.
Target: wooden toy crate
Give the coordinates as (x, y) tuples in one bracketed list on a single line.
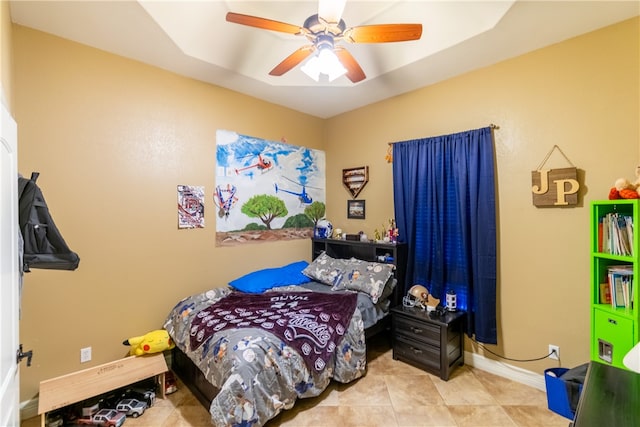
[(68, 389)]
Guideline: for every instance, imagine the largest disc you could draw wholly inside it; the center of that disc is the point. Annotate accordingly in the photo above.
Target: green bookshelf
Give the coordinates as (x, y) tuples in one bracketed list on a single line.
[(614, 324)]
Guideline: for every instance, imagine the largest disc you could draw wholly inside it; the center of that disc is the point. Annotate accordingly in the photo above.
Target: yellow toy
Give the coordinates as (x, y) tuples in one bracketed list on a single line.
[(152, 342)]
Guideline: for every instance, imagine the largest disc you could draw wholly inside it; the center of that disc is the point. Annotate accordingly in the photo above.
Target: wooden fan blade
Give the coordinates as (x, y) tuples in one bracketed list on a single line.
[(292, 60), (383, 33), (266, 24), (354, 71)]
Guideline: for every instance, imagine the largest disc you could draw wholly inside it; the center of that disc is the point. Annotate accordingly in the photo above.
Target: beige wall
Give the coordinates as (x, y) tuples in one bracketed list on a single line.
[(5, 54), (584, 96), (112, 138)]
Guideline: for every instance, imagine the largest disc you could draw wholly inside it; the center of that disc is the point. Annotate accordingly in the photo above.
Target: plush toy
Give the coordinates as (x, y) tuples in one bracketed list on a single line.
[(625, 189), (151, 342)]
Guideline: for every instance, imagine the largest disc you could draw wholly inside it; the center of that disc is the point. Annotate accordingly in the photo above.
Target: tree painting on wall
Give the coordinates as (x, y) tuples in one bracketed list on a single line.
[(266, 190)]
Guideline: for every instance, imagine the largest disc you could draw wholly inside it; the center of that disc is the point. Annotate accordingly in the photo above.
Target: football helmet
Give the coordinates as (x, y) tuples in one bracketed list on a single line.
[(323, 230), (418, 296)]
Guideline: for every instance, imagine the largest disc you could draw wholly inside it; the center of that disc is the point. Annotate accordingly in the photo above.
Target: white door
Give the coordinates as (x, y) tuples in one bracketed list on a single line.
[(9, 273)]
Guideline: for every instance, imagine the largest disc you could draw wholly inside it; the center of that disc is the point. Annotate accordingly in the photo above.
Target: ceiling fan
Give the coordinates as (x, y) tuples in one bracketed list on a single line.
[(325, 30)]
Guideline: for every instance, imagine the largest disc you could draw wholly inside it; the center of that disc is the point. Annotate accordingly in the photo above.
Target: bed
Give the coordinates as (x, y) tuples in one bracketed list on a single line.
[(250, 350)]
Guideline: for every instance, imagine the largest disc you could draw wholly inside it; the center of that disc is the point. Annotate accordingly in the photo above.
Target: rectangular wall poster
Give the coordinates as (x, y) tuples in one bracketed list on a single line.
[(266, 190), (190, 206)]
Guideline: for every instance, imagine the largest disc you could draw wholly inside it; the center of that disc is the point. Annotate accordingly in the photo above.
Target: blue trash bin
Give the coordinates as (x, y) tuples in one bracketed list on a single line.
[(557, 395)]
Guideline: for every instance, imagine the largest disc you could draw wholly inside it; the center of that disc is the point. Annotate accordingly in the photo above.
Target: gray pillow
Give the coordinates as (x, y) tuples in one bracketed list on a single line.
[(364, 276), (326, 270), (388, 288)]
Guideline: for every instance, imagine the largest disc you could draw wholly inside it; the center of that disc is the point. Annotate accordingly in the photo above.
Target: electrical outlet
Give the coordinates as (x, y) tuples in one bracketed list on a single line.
[(85, 354), (554, 352)]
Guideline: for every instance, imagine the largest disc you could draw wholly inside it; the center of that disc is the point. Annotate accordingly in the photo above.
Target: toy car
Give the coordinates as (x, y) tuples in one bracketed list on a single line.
[(54, 420), (144, 395), (103, 418), (131, 407), (170, 385)]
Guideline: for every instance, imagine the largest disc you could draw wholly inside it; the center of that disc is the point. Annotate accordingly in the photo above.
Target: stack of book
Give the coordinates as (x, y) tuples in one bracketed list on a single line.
[(618, 290), (616, 234)]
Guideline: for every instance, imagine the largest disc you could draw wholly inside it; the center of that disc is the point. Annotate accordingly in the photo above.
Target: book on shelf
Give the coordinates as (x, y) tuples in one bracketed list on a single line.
[(605, 293), (615, 234), (626, 241), (603, 234), (620, 280)]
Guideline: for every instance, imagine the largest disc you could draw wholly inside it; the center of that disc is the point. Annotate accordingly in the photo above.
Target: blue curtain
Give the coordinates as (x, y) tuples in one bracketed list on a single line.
[(445, 209)]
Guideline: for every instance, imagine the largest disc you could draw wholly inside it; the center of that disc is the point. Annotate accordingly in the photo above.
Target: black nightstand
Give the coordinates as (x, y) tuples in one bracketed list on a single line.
[(428, 341)]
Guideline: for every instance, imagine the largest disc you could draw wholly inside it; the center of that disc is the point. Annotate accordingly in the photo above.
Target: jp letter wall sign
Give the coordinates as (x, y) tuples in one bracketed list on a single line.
[(555, 187)]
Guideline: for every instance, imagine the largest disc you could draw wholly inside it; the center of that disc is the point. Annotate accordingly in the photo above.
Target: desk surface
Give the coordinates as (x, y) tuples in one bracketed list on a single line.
[(610, 397)]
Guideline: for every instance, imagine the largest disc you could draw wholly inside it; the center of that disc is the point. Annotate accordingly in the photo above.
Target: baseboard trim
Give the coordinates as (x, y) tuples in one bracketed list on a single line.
[(29, 409), (505, 370)]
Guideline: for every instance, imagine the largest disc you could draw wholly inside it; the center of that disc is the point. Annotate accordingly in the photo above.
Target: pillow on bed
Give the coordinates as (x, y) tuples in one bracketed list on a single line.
[(262, 280), (364, 276), (326, 270), (388, 288)]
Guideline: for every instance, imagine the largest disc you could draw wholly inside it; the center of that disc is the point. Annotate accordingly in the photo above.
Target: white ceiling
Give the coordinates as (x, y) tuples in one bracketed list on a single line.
[(193, 39)]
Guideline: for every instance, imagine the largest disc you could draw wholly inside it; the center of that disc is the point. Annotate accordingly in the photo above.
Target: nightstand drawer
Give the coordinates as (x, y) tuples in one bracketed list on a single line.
[(424, 355), (417, 330), (428, 340)]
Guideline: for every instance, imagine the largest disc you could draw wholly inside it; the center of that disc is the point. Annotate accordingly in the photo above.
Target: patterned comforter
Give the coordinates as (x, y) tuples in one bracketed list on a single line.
[(258, 373)]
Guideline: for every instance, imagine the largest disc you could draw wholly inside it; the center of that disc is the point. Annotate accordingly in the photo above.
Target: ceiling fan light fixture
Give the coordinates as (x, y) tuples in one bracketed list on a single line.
[(312, 68), (325, 62), (323, 30)]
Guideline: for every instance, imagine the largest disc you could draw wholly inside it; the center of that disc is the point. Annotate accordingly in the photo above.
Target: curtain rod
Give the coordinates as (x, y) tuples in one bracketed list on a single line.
[(492, 126)]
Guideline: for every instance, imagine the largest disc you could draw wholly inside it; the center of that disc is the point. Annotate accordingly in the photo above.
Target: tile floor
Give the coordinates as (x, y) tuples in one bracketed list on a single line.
[(392, 394)]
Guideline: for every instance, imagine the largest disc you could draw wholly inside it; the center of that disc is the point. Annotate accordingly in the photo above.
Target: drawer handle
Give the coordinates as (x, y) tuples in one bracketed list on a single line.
[(416, 350), (613, 321), (416, 330)]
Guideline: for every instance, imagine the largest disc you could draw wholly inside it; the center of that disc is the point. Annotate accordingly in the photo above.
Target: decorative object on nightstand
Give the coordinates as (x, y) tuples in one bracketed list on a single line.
[(428, 340), (452, 301), (419, 297)]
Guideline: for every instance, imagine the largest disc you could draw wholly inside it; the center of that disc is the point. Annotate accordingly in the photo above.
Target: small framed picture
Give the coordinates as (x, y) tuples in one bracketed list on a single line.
[(355, 209)]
